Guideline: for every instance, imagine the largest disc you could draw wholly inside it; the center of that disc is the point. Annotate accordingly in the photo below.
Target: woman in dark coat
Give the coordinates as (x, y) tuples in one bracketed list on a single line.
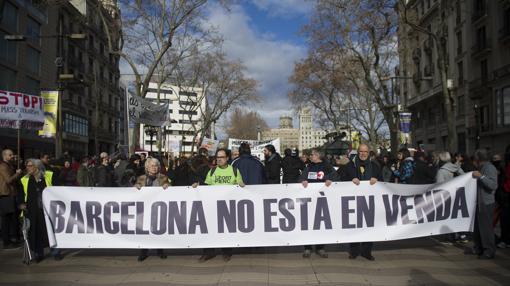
[(30, 202)]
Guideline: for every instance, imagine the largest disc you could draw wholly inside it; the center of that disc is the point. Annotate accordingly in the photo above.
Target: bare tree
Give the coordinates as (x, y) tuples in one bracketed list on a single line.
[(439, 39), (323, 81), (148, 26), (222, 85), (361, 34), (316, 84), (244, 124)]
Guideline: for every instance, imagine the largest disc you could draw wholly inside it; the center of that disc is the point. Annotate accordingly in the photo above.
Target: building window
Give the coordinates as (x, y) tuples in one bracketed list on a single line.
[(10, 17), (187, 93), (484, 70), (33, 60), (480, 6), (458, 12), (189, 112), (31, 86), (484, 118), (34, 30), (460, 72), (481, 39), (459, 43), (431, 116), (461, 105), (503, 106), (8, 50), (76, 125), (7, 79)]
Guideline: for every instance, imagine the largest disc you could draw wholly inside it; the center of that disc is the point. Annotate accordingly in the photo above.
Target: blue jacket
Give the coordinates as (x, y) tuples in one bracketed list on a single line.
[(251, 169)]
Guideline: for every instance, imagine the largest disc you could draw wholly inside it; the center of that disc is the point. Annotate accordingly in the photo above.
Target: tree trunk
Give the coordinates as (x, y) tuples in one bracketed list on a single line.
[(450, 110)]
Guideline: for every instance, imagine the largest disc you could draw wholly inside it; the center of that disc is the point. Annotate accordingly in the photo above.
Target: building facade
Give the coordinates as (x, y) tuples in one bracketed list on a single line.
[(185, 108), (309, 137), (64, 50), (304, 137), (476, 34), (22, 67), (289, 136)]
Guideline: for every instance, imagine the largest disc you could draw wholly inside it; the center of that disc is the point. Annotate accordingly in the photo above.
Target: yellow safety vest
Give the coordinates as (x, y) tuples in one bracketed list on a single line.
[(48, 176)]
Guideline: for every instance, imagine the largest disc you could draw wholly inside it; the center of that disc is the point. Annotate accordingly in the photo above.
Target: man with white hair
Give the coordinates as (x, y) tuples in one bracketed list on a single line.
[(152, 178), (487, 183), (8, 190), (447, 170)]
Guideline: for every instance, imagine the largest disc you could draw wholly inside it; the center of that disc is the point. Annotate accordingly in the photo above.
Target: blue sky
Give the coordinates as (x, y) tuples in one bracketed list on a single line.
[(264, 34)]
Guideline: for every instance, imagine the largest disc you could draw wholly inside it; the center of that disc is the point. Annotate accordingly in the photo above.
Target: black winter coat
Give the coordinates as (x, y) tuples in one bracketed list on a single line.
[(370, 170), (273, 168), (292, 168)]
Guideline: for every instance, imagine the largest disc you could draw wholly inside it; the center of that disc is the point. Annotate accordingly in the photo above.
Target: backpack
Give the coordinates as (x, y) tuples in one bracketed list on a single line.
[(214, 170)]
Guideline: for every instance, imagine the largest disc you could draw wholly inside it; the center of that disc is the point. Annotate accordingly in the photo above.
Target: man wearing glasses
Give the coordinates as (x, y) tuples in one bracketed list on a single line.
[(317, 171), (362, 168), (222, 174)]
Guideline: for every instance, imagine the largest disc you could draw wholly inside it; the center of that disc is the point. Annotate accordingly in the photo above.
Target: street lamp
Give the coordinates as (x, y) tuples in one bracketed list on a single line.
[(151, 131)]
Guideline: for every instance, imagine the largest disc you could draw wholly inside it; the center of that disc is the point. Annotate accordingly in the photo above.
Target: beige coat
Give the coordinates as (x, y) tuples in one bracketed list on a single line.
[(162, 179), (8, 179)]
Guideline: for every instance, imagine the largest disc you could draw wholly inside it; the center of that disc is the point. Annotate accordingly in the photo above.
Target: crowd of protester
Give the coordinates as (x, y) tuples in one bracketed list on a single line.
[(21, 188)]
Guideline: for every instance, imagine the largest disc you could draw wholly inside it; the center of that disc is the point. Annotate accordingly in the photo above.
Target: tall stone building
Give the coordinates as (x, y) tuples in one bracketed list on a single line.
[(309, 137), (93, 103), (477, 38), (289, 136), (22, 65), (304, 137), (62, 47)]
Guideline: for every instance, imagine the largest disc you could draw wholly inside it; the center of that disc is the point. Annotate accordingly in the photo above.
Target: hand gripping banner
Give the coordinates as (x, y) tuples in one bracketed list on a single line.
[(258, 215)]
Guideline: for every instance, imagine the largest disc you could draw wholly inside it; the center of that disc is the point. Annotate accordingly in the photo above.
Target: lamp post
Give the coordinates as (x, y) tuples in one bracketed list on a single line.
[(151, 131), (395, 99)]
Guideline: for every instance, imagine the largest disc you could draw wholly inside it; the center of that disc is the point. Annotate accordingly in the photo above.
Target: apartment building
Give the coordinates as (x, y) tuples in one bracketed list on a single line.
[(186, 105), (476, 35)]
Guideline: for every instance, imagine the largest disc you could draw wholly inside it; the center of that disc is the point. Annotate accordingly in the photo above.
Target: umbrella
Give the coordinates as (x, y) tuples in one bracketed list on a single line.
[(27, 253)]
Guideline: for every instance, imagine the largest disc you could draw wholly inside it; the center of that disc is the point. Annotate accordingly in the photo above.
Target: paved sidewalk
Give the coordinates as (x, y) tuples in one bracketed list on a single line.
[(408, 262)]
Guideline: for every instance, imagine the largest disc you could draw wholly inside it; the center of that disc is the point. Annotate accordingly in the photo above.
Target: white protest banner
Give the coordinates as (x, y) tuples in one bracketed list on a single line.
[(173, 145), (20, 110), (256, 215), (257, 147), (143, 110), (211, 145)]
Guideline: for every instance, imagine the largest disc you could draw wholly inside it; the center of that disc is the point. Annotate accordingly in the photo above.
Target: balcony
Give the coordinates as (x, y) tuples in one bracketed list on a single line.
[(478, 15), (502, 72), (481, 48), (479, 88)]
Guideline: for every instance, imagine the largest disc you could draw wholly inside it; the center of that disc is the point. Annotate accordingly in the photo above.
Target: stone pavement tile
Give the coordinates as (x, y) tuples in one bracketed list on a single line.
[(235, 283), (340, 278), (293, 279), (291, 270), (244, 277)]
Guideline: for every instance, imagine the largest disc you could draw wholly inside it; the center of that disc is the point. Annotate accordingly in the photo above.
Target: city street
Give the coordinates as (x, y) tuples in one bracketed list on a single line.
[(421, 261)]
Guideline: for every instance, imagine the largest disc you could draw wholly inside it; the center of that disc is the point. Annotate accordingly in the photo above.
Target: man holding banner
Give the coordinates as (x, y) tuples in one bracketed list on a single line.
[(222, 174), (362, 168), (487, 183), (317, 171), (152, 178)]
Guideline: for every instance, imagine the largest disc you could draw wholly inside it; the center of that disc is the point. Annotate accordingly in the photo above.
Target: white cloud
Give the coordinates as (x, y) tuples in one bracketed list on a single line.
[(268, 60), (284, 8)]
